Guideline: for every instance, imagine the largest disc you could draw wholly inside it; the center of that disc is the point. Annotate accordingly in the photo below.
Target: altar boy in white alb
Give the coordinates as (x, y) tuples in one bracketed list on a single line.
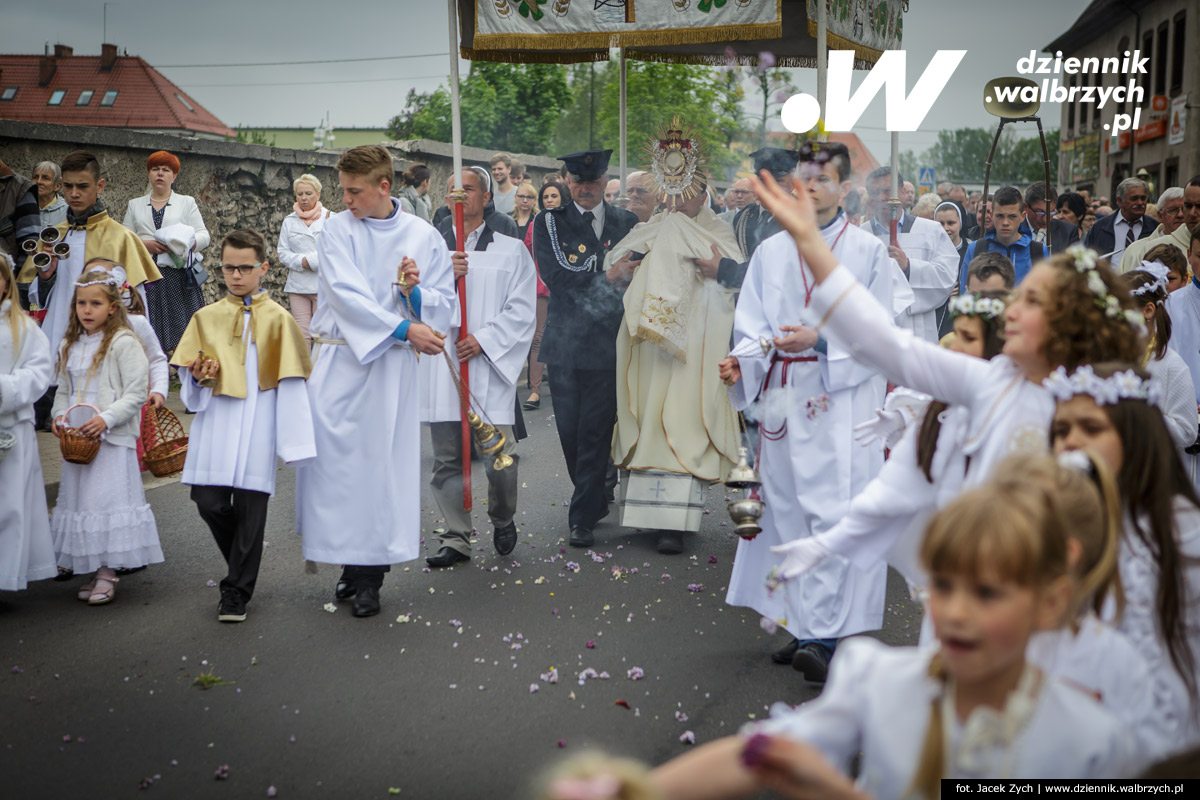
[(501, 291), (243, 365), (926, 257), (358, 503), (810, 395)]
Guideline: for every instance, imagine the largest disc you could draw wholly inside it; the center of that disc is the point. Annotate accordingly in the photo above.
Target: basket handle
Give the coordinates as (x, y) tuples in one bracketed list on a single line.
[(67, 413)]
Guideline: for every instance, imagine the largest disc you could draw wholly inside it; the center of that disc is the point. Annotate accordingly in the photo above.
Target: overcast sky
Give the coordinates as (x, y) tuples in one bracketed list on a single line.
[(368, 93)]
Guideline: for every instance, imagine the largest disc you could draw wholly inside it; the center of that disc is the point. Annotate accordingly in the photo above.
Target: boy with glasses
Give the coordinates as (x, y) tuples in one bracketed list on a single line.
[(243, 369)]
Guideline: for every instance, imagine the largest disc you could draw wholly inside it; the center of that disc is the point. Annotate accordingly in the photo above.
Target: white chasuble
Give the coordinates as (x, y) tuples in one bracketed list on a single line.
[(359, 501), (676, 430), (810, 464), (501, 315)]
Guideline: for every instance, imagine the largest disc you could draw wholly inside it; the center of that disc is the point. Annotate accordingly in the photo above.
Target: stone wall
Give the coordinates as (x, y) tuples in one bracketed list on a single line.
[(235, 185)]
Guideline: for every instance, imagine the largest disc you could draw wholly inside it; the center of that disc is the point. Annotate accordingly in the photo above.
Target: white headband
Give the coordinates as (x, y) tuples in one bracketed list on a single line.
[(109, 280), (1125, 385), (1157, 270), (1085, 263)]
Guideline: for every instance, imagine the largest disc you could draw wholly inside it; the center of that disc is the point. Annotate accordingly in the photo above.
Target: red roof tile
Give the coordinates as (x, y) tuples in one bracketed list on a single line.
[(145, 98)]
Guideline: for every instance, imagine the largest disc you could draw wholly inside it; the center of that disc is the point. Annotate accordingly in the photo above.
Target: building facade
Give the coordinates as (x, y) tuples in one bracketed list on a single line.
[(1164, 144)]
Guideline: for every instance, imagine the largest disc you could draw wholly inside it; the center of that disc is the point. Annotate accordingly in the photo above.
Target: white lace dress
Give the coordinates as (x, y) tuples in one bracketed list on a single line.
[(1178, 716), (102, 518)]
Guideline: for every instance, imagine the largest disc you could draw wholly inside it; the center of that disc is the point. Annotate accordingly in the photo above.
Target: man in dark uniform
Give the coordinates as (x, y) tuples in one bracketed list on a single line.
[(579, 341), (753, 224)]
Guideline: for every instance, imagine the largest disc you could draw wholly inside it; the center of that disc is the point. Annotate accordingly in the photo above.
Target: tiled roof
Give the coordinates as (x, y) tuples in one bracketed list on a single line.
[(145, 99)]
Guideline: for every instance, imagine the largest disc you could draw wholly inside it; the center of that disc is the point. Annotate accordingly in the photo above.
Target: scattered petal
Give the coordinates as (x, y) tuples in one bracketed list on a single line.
[(270, 791), (769, 625), (562, 743), (695, 587), (17, 670), (533, 687), (222, 772), (211, 584), (621, 703), (403, 618), (712, 559), (680, 716), (635, 674), (590, 645), (687, 737), (330, 607)]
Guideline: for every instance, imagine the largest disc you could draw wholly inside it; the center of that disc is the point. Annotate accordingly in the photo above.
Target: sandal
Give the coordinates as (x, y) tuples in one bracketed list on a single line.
[(85, 591), (104, 590)]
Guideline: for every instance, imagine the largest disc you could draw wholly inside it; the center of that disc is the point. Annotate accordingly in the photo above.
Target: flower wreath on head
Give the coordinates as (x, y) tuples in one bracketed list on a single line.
[(1085, 264), (1159, 272), (109, 279), (972, 305), (1124, 385)]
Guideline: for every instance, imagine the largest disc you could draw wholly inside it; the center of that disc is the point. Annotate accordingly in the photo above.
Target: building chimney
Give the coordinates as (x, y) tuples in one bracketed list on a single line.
[(63, 51), (108, 57), (46, 69)]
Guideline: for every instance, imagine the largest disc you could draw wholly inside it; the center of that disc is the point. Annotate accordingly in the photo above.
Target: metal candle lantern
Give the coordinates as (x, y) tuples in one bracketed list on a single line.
[(745, 511), (29, 245), (62, 250), (49, 236)]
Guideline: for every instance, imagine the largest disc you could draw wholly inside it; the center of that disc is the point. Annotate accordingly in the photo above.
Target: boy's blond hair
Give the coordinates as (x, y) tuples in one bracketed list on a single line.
[(370, 160)]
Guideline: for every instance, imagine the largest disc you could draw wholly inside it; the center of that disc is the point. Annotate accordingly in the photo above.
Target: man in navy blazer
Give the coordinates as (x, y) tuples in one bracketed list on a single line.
[(580, 339), (1110, 234)]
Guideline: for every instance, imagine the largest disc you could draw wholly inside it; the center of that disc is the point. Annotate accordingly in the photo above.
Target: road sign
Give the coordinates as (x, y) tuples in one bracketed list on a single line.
[(926, 181)]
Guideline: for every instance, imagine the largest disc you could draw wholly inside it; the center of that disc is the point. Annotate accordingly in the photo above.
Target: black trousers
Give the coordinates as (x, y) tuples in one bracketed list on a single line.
[(585, 411), (365, 576), (237, 519)]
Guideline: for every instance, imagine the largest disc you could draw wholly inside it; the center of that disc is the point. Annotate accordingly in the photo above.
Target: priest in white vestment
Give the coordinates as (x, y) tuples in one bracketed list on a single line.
[(501, 288), (1184, 307), (676, 432), (810, 395), (358, 503), (926, 257)]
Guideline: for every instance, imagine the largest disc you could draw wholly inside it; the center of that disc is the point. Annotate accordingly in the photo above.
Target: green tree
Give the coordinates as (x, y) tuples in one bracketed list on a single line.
[(511, 107), (961, 155)]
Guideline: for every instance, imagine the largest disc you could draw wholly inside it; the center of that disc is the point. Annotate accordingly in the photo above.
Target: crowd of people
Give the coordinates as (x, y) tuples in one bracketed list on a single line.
[(1029, 361)]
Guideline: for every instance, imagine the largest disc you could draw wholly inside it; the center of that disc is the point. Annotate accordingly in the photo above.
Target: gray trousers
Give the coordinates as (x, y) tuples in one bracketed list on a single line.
[(447, 484)]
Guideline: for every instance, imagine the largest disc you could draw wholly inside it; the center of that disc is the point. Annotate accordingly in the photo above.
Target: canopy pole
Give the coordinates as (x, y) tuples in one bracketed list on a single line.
[(458, 196), (621, 63), (894, 202), (822, 58)]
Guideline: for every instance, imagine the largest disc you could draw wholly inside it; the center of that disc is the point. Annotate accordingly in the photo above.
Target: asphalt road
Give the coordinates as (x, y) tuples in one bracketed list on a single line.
[(96, 700)]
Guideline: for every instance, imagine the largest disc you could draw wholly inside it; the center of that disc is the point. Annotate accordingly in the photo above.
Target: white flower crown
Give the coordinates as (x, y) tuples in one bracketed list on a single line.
[(1085, 263), (1159, 272), (972, 305), (108, 280), (1125, 385)]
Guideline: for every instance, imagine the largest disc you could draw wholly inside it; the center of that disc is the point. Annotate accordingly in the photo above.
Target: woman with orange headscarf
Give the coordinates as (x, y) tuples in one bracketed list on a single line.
[(170, 226)]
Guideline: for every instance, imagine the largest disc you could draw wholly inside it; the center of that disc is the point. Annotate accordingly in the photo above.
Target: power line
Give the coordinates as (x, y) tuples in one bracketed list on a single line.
[(294, 63), (304, 83)]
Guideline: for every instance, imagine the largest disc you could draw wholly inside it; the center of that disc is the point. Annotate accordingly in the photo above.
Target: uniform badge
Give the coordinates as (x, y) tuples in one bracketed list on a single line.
[(572, 258), (583, 248)]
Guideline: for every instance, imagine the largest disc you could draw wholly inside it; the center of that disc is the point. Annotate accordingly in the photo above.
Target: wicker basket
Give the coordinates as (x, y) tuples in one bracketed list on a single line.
[(76, 447), (165, 442)]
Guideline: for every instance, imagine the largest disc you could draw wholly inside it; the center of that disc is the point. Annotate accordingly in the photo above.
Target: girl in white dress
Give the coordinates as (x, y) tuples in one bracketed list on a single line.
[(1176, 392), (887, 519), (969, 707), (102, 521), (1109, 409), (26, 549), (160, 368), (1068, 310)]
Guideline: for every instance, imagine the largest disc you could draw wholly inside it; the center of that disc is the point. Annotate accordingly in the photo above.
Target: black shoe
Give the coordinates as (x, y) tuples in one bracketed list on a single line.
[(345, 590), (64, 574), (232, 607), (581, 537), (670, 543), (366, 602), (532, 405), (505, 539), (446, 557), (129, 570), (812, 661), (785, 654)]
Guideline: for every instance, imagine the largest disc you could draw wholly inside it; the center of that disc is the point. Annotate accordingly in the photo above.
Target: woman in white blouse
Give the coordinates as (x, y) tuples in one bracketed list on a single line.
[(170, 302), (298, 249)]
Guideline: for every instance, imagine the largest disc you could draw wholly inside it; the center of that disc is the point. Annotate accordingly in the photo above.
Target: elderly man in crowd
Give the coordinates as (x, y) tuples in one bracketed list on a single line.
[(737, 197), (643, 200), (1173, 228), (1113, 233)]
